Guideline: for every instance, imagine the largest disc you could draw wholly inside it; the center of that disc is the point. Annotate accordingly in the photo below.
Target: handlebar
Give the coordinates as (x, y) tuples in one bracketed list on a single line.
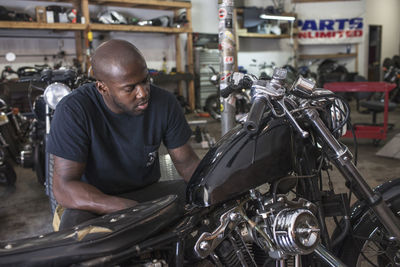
[(236, 82), (254, 117)]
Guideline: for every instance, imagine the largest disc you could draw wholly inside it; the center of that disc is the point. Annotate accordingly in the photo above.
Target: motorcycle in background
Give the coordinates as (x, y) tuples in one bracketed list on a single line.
[(59, 84), (242, 100), (7, 173), (391, 74)]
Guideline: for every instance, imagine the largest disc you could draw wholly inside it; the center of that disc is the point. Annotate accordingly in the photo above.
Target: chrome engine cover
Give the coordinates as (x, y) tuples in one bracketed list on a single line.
[(296, 231)]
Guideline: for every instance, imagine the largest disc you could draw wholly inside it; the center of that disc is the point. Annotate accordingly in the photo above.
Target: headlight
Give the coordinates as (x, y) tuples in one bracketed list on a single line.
[(54, 93), (3, 118)]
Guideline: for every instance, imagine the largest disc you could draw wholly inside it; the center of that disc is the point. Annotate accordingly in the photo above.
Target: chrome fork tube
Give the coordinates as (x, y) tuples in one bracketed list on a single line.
[(342, 159), (327, 257)]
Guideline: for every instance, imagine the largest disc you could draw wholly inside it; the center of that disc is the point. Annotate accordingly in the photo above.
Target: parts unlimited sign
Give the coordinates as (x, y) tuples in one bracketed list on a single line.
[(342, 30)]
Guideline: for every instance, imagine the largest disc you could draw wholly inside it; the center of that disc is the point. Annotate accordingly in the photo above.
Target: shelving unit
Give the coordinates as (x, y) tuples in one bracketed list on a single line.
[(332, 56), (83, 29), (262, 35), (323, 56), (242, 33)]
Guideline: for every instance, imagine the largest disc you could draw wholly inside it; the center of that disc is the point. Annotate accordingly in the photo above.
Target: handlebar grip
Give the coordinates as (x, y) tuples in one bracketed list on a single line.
[(227, 91), (252, 123)]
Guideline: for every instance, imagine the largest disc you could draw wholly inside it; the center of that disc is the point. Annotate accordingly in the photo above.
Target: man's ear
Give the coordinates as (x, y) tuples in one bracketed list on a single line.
[(102, 87)]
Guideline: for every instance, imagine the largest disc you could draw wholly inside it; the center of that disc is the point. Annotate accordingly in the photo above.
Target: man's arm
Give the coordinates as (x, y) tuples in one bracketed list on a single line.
[(185, 160), (71, 192)]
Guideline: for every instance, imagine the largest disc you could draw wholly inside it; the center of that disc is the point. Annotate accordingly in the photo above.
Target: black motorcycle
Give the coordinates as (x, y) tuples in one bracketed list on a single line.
[(58, 83), (8, 147), (259, 197), (391, 74)]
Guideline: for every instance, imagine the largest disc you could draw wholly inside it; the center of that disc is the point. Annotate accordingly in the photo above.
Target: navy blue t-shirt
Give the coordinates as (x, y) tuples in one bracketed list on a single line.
[(120, 150)]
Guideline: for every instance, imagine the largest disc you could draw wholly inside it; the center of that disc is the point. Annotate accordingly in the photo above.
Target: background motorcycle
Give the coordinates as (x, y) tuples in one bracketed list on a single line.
[(258, 198), (391, 74), (7, 146), (59, 83)]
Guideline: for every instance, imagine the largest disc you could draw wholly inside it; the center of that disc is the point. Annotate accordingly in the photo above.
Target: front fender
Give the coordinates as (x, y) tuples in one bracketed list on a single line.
[(389, 190)]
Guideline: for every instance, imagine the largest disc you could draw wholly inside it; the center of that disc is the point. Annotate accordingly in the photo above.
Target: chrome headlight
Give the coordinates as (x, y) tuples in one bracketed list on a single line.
[(336, 114), (54, 93), (3, 118)]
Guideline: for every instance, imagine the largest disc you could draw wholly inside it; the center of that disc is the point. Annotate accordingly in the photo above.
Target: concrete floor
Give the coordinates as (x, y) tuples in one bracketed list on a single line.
[(25, 211)]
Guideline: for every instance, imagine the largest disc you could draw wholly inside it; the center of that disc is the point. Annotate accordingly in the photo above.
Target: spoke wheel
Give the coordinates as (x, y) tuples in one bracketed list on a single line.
[(369, 244)]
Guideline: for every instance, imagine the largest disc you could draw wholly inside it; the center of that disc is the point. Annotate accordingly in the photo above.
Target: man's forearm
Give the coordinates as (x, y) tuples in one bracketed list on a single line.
[(187, 169), (83, 196)]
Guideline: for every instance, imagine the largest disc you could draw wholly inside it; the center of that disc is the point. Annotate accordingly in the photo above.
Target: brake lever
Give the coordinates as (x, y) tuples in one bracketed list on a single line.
[(303, 133)]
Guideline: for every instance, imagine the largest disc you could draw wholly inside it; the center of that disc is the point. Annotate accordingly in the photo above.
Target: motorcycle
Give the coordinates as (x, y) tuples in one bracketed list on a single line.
[(391, 74), (58, 84), (242, 98), (7, 172), (259, 197)]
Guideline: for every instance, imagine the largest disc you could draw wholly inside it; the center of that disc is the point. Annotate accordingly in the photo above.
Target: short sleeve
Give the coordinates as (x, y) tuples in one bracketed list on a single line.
[(68, 133), (178, 131)]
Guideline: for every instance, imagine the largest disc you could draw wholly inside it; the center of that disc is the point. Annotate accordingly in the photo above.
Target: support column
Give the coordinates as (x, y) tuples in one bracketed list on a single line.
[(227, 46)]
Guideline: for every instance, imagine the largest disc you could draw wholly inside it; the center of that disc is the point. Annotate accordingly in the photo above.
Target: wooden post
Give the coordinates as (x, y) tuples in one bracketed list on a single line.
[(191, 96), (78, 39), (86, 17), (178, 59), (356, 63)]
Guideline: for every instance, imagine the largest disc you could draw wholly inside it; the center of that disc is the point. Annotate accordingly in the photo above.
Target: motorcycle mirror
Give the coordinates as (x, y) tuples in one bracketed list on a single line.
[(214, 79), (10, 57)]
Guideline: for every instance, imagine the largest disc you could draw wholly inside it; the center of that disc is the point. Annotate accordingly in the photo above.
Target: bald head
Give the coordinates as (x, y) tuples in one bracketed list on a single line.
[(114, 58)]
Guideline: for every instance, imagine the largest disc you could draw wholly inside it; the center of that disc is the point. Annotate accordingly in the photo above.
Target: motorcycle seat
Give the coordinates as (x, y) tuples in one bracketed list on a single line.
[(101, 236)]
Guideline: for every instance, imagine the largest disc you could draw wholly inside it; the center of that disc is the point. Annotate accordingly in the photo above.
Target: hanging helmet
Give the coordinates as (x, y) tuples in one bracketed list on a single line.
[(112, 17)]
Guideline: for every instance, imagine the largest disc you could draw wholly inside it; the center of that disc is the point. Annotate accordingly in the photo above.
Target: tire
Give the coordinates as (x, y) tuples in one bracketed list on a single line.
[(212, 106), (39, 162), (49, 184), (7, 174), (359, 249)]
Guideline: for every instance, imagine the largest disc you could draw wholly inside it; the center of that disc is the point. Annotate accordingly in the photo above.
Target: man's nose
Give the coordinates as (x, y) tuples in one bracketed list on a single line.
[(142, 92)]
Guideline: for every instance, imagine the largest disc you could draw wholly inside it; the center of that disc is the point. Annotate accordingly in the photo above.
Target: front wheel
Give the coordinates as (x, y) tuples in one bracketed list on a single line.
[(7, 174), (213, 106), (369, 245)]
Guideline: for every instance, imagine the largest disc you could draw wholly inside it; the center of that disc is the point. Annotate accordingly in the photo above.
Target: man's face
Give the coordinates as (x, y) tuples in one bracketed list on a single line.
[(129, 91)]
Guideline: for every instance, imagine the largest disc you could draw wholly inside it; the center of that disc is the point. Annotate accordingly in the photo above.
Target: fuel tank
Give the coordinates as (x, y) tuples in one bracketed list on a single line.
[(239, 162)]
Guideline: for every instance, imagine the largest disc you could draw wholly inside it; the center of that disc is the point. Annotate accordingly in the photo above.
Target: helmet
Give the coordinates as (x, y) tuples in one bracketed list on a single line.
[(112, 17)]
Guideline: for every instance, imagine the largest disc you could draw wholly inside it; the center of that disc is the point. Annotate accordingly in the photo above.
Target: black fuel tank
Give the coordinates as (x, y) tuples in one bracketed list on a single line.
[(239, 162)]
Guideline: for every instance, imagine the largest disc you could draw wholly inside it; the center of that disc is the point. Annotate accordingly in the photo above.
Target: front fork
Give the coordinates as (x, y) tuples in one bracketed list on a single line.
[(342, 159), (47, 155)]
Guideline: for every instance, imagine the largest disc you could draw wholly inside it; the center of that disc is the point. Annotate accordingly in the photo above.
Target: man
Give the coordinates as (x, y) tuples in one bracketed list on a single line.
[(105, 137)]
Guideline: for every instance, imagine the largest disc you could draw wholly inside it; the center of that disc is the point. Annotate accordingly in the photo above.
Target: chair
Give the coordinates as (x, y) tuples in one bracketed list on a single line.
[(371, 105)]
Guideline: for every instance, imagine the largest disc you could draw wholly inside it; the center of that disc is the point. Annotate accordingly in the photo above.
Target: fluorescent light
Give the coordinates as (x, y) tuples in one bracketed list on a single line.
[(265, 16)]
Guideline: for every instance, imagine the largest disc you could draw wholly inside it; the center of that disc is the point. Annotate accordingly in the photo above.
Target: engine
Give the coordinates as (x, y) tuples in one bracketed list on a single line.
[(261, 229)]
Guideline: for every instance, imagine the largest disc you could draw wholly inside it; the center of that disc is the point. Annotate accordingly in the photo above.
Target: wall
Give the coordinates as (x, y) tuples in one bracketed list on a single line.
[(335, 9), (386, 13)]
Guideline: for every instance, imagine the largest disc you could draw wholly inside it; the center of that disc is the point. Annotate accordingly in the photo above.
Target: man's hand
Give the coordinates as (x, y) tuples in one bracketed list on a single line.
[(71, 192), (185, 160)]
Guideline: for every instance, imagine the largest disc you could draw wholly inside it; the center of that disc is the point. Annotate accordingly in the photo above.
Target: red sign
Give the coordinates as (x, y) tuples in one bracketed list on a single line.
[(222, 13)]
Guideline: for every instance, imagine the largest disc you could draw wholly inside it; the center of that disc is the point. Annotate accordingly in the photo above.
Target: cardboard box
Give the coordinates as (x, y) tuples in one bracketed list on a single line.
[(41, 14)]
